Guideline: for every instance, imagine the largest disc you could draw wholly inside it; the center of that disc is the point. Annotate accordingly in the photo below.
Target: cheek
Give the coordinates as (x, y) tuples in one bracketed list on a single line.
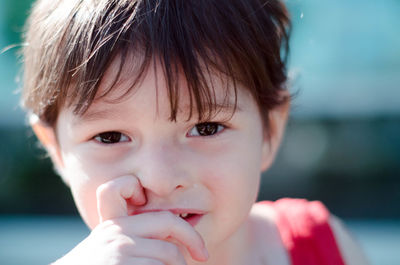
[(233, 183), (85, 173), (236, 174), (84, 164)]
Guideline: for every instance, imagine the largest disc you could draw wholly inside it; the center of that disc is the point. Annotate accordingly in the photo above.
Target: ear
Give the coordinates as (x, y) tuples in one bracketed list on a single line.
[(47, 137), (273, 134)]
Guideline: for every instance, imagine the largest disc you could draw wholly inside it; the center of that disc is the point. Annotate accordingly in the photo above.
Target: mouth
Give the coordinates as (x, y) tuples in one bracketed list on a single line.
[(191, 218)]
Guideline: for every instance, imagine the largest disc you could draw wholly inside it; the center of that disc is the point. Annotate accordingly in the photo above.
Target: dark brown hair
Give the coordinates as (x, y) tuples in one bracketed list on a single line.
[(71, 43)]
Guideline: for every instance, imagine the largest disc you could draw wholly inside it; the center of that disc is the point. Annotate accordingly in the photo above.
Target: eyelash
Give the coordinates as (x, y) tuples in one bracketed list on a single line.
[(108, 137), (114, 137), (215, 132)]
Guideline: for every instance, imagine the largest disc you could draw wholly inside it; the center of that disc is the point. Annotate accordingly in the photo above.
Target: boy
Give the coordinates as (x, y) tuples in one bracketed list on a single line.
[(160, 116)]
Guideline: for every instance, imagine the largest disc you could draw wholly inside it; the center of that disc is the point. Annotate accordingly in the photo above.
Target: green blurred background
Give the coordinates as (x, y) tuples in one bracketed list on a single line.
[(342, 144)]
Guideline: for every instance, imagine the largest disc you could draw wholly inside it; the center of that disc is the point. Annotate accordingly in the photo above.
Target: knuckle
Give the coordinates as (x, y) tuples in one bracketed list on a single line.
[(108, 231), (103, 189), (121, 244), (107, 224), (111, 226), (112, 186)]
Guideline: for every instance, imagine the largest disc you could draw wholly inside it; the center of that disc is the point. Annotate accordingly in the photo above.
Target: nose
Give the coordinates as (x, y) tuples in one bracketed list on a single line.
[(161, 170)]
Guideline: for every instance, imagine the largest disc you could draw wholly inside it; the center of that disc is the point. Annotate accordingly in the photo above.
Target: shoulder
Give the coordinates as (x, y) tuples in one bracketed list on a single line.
[(300, 220), (351, 252)]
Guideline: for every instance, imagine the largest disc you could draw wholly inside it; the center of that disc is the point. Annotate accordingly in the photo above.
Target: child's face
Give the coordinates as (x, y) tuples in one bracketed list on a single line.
[(176, 166)]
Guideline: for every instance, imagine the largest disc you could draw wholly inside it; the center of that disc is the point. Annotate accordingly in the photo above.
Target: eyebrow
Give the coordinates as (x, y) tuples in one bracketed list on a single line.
[(110, 113)]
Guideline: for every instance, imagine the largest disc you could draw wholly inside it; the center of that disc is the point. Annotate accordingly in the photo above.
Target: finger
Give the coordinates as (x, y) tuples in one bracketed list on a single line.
[(164, 251), (165, 225), (143, 261), (112, 196)]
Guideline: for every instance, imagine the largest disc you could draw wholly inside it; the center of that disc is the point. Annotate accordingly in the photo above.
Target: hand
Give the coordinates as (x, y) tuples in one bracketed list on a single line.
[(141, 239)]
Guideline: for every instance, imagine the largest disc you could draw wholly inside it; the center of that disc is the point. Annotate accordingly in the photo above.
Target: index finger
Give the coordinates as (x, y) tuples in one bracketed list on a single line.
[(165, 225), (112, 196)]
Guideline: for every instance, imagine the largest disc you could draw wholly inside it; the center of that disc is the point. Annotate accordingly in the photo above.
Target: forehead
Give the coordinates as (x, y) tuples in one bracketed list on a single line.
[(219, 93)]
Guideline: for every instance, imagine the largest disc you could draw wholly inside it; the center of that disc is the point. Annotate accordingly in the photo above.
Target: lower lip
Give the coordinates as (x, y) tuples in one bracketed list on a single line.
[(193, 220)]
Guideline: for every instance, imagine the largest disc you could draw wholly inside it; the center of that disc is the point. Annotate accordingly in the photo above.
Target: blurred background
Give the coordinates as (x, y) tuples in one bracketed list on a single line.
[(342, 144)]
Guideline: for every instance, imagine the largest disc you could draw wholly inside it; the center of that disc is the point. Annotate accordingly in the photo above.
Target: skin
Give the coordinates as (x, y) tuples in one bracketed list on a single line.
[(130, 191), (127, 191)]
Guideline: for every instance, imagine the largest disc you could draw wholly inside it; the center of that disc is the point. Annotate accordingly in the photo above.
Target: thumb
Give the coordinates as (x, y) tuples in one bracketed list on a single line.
[(112, 197)]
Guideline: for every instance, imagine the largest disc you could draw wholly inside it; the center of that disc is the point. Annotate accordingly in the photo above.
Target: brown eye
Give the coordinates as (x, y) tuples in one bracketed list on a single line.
[(206, 129), (111, 137)]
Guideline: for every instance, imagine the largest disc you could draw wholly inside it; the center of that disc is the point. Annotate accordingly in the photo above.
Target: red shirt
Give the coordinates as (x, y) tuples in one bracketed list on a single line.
[(305, 232)]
